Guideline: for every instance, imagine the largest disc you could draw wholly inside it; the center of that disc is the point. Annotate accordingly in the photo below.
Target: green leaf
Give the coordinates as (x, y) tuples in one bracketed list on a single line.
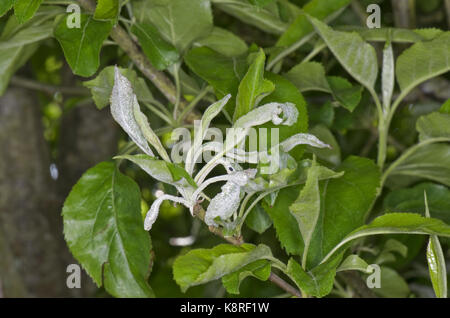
[(107, 10), (412, 200), (429, 162), (221, 72), (261, 3), (306, 208), (160, 53), (423, 61), (263, 18), (433, 125), (204, 265), (356, 56), (354, 263), (395, 223), (82, 46), (24, 10), (104, 231), (436, 266), (397, 35), (310, 76), (101, 87), (258, 220), (300, 27), (5, 6), (317, 282), (436, 261), (253, 87), (179, 22), (260, 269), (345, 203), (224, 42), (161, 170)]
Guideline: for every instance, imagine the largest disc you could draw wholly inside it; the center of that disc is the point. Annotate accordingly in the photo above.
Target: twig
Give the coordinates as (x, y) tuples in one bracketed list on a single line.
[(47, 88), (277, 280)]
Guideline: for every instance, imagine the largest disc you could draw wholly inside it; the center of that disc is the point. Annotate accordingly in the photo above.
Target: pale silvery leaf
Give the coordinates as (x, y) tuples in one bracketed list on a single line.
[(147, 131), (436, 261), (278, 113), (388, 76), (152, 214), (200, 133), (224, 204), (122, 101), (302, 139)]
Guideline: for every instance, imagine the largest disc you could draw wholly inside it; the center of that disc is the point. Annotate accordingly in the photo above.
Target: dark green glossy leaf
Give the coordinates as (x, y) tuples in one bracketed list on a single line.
[(82, 46), (160, 53), (104, 230)]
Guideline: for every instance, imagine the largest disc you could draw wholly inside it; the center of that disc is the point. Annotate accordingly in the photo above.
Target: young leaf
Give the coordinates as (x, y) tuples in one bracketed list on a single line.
[(423, 61), (356, 56), (204, 265), (179, 22), (5, 6), (160, 53), (388, 75), (317, 282), (210, 113), (306, 208), (107, 10), (260, 269), (332, 155), (24, 10), (101, 87), (224, 42), (436, 262), (354, 263), (82, 46), (392, 285), (253, 87), (394, 223), (123, 103), (104, 230)]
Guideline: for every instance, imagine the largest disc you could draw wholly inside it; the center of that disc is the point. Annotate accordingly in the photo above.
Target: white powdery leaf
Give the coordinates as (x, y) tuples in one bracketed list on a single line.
[(303, 139), (152, 214), (122, 101)]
